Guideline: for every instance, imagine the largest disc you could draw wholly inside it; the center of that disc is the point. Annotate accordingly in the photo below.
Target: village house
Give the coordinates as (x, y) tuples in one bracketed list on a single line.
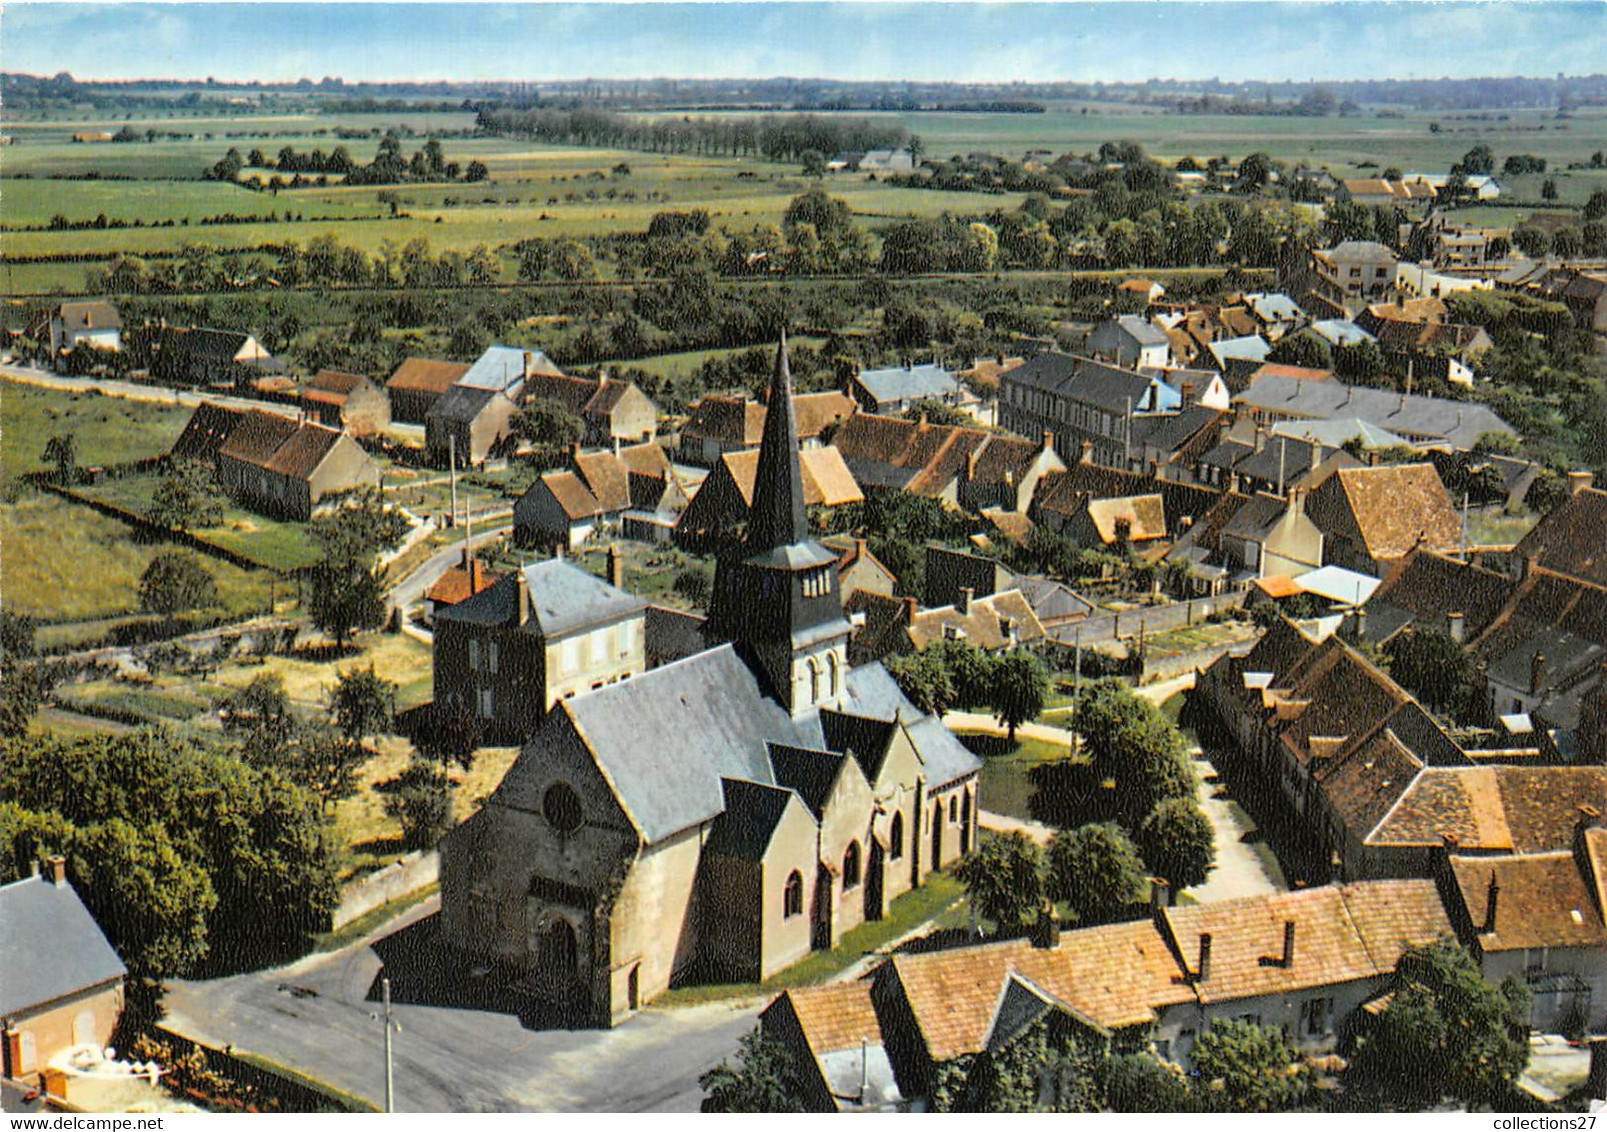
[(892, 391), (949, 572), (347, 401), (997, 622), (277, 465), (551, 632), (1276, 314), (418, 384), (783, 799), (1420, 420), (1305, 962), (61, 984), (473, 419), (1130, 340), (204, 356), (1239, 357), (1177, 442), (458, 583), (1271, 536), (726, 497), (558, 512), (1145, 290), (721, 424), (858, 570), (65, 327), (611, 411), (963, 467), (1353, 273), (1339, 332), (1109, 521), (1371, 518), (1379, 193), (1079, 399)]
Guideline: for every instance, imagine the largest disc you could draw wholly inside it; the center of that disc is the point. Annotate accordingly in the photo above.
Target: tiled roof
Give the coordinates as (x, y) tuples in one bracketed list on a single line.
[(1389, 509), (1512, 808), (1570, 540), (1294, 373), (1543, 900), (206, 432), (606, 477), (299, 456), (1564, 619), (336, 384), (426, 375), (816, 412), (1145, 516), (461, 583), (735, 421), (835, 1016), (983, 625), (1363, 785), (571, 494), (1427, 586), (987, 371), (827, 482), (256, 436), (89, 316), (575, 394)]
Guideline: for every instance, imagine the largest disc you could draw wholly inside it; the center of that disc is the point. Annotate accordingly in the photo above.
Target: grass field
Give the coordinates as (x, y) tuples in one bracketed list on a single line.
[(106, 430), (1005, 786), (67, 563)]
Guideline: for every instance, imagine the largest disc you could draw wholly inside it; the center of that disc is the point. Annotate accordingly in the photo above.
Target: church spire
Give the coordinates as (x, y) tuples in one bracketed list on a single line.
[(777, 517)]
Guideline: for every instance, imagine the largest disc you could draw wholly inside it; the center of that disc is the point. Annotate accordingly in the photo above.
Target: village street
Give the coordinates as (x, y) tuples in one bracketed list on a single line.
[(319, 1016)]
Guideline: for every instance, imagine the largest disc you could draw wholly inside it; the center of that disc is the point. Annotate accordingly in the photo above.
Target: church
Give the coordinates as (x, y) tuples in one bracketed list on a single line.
[(720, 817)]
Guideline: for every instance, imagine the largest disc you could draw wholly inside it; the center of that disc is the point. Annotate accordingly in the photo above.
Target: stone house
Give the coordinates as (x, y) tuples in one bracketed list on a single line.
[(1371, 518), (512, 651), (783, 799), (558, 512), (611, 411), (1269, 536), (61, 984), (417, 384), (1130, 340), (858, 570), (726, 497), (67, 326), (965, 468), (204, 356)]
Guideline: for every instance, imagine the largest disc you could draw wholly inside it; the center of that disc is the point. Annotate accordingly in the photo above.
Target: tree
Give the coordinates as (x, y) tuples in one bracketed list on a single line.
[(343, 599), (1004, 880), (1178, 843), (814, 163), (20, 696), (476, 171), (1018, 685), (938, 413), (1445, 1033), (361, 704), (1255, 171), (322, 762), (1096, 870), (761, 1081), (1133, 748), (347, 588), (62, 451), (420, 798), (259, 716), (1596, 207), (176, 583), (925, 678), (1438, 671), (1303, 348), (1478, 160), (1548, 189), (449, 733), (1253, 1068), (1136, 1082), (186, 498), (548, 427)]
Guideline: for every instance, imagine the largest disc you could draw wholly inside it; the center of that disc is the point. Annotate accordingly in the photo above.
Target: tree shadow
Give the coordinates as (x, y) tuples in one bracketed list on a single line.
[(387, 846), (326, 653), (424, 971), (988, 746), (1068, 794)]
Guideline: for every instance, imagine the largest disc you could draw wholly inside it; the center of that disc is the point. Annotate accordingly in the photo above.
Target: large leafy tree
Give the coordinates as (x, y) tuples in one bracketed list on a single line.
[(1438, 671), (259, 716), (1133, 748), (925, 678), (176, 583), (420, 799), (1096, 870), (361, 704), (1446, 1032), (1177, 842), (347, 586), (548, 428), (1018, 685), (1004, 880), (187, 497), (1251, 1068), (761, 1081)]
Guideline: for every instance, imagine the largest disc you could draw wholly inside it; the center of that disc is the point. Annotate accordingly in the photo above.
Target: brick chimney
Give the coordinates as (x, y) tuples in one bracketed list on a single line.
[(1288, 959), (1202, 970), (1454, 625), (616, 568), (528, 362), (1159, 889), (1580, 481), (1188, 394), (521, 598), (1537, 673), (476, 575), (963, 604), (1492, 897), (1085, 454), (56, 871), (1260, 437)]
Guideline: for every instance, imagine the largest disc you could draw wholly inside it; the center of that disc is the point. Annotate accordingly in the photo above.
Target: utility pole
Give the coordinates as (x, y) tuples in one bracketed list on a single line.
[(452, 471), (390, 1078)]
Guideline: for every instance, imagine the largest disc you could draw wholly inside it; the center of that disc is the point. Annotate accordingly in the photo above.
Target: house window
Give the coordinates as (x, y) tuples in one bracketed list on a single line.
[(485, 703), (895, 838), (569, 655), (833, 668), (792, 897), (1319, 1014), (1534, 959), (851, 866), (491, 657), (474, 655)]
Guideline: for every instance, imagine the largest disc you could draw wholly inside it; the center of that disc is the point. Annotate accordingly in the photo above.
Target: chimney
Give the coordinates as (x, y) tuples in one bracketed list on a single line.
[(1454, 626), (1361, 623), (1046, 929), (1537, 673), (1202, 971), (56, 870), (1530, 561), (465, 558), (1086, 455), (616, 568), (476, 576), (859, 548), (528, 360), (521, 598), (1048, 441), (1492, 897), (1580, 481), (909, 611), (1158, 890), (1260, 437), (574, 451), (1288, 959), (1188, 394), (963, 604)]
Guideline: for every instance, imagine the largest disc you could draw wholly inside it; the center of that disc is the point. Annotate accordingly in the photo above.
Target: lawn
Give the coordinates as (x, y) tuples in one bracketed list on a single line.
[(67, 563), (1498, 528), (933, 901), (105, 430), (271, 543), (1005, 785), (308, 676)]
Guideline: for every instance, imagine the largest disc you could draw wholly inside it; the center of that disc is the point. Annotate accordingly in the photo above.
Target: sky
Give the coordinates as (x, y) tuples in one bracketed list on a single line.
[(966, 42)]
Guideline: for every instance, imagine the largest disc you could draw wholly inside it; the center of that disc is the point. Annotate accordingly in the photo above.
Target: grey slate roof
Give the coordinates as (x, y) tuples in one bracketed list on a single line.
[(1458, 423), (1341, 331), (1275, 306), (752, 812), (50, 946), (666, 738), (462, 403), (563, 597), (809, 774), (1250, 348), (908, 384), (1142, 331), (502, 367)]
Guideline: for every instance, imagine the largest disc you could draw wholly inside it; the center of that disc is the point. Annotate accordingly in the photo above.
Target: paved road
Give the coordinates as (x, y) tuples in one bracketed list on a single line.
[(317, 1016), (976, 721), (410, 590)]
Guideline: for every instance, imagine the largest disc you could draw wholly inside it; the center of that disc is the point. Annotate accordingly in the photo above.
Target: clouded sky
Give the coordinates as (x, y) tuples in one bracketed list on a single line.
[(926, 41)]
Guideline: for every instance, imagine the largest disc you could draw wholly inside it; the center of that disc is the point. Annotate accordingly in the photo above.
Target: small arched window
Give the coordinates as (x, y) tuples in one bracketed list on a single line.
[(836, 676), (895, 838), (792, 896), (851, 866), (954, 808), (814, 681)]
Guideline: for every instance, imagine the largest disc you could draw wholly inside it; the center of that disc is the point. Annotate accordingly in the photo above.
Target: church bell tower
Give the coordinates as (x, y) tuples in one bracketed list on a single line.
[(776, 596)]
